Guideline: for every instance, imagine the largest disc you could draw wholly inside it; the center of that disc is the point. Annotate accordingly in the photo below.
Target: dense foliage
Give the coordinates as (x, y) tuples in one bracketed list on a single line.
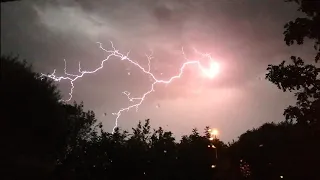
[(30, 117), (298, 76)]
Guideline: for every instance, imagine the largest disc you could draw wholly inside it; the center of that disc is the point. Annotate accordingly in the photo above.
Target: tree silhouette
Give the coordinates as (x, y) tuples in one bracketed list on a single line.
[(41, 134), (144, 154), (290, 147), (306, 27), (298, 76), (81, 131), (275, 150), (304, 80), (32, 119), (163, 155)]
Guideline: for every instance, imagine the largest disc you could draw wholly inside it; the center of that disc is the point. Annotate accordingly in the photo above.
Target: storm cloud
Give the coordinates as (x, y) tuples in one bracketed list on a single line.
[(243, 36)]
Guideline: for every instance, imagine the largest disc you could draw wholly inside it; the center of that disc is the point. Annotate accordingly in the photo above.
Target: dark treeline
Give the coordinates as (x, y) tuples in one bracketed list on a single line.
[(44, 138)]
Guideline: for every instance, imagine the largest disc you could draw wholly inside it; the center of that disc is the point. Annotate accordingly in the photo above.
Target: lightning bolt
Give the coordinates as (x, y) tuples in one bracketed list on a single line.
[(113, 52)]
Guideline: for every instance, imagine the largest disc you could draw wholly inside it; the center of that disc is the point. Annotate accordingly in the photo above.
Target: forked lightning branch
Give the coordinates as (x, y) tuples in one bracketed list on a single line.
[(209, 72)]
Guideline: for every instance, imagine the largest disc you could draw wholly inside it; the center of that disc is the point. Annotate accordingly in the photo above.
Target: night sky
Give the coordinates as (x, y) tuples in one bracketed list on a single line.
[(244, 36)]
